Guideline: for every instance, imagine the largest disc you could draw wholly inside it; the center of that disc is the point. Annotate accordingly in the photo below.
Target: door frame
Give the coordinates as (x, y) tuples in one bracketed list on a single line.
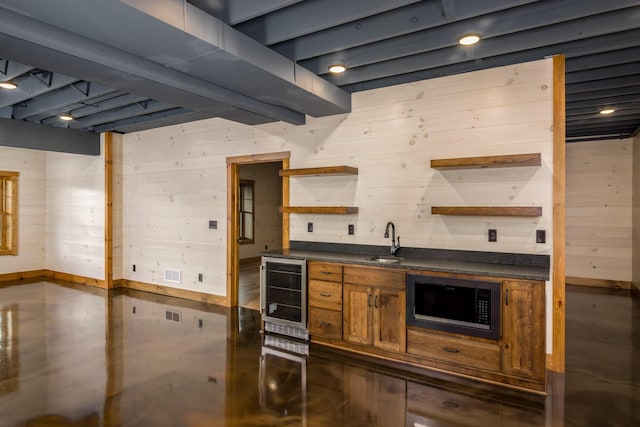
[(233, 179)]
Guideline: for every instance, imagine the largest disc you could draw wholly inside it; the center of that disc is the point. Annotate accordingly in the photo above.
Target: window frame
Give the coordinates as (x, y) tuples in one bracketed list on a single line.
[(243, 213), (9, 213)]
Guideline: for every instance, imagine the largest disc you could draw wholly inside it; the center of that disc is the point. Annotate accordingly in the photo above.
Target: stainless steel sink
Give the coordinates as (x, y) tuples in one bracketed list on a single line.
[(386, 259)]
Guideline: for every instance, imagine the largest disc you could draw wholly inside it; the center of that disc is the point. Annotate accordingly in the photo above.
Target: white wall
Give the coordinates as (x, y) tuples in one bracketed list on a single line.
[(175, 177), (75, 214), (267, 199), (636, 213), (31, 208), (599, 209)]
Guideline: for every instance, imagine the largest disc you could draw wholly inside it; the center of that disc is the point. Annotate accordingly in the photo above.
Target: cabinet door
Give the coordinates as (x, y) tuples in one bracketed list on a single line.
[(389, 319), (523, 329), (357, 314)]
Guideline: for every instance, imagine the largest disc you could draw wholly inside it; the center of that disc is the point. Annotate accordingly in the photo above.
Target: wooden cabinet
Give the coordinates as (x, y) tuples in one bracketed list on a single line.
[(325, 299), (523, 333), (374, 307)]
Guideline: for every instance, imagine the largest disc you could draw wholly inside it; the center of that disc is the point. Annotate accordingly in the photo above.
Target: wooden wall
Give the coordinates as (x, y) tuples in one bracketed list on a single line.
[(174, 178), (75, 214), (268, 198), (599, 210), (118, 207), (31, 208)]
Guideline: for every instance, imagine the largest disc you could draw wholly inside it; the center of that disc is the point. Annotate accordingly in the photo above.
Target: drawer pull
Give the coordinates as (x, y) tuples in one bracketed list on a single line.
[(451, 350), (324, 294), (323, 323), (450, 404), (325, 272)]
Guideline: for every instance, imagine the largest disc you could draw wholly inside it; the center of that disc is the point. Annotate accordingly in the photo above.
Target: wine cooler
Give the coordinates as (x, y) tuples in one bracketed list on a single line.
[(283, 296)]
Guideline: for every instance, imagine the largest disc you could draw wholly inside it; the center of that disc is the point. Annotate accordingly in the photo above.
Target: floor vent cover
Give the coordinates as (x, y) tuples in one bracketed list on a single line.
[(173, 276)]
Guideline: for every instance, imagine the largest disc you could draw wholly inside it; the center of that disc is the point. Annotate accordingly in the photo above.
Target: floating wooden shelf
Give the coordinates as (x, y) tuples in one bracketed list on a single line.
[(335, 210), (488, 210), (511, 160), (328, 170)]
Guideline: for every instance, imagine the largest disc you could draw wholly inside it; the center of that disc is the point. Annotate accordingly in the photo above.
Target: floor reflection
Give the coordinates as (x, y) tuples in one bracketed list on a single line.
[(88, 358)]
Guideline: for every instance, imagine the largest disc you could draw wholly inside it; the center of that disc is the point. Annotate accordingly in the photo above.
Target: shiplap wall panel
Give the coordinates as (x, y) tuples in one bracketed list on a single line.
[(31, 164), (175, 175), (599, 209), (75, 214), (636, 213)]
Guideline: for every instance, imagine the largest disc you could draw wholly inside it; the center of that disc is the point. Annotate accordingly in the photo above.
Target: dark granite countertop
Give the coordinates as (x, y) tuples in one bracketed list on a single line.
[(409, 262)]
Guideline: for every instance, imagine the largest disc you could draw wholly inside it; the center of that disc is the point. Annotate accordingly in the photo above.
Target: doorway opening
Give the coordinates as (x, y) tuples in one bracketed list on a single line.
[(254, 222)]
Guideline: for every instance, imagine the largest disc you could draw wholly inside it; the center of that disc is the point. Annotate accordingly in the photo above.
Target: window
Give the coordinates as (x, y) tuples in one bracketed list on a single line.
[(8, 213), (246, 214)]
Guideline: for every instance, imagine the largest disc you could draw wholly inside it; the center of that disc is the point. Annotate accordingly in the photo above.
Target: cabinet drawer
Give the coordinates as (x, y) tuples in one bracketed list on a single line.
[(327, 271), (454, 350), (372, 276), (325, 295), (325, 323)]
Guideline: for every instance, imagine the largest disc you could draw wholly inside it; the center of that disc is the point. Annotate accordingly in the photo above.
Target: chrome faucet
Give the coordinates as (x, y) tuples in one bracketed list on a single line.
[(394, 248)]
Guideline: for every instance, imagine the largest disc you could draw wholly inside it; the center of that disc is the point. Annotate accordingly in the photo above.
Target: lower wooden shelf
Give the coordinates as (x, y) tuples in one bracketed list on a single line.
[(488, 210), (336, 210)]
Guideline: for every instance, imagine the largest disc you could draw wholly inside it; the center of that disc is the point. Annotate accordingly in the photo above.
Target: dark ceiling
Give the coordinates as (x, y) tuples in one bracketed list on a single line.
[(131, 65)]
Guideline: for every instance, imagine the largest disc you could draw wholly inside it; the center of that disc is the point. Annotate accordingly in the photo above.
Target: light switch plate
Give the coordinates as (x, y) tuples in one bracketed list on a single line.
[(493, 235)]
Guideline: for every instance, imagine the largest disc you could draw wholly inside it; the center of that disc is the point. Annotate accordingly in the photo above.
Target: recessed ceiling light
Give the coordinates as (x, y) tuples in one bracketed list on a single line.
[(337, 68), (8, 85), (66, 117), (469, 39), (607, 110)]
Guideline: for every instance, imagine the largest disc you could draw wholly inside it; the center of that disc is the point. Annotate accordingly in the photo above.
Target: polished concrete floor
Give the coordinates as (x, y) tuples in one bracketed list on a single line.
[(75, 356)]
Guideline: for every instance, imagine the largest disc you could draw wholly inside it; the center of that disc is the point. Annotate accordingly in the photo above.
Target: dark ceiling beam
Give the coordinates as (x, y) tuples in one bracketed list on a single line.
[(394, 23), (132, 110), (603, 59), (591, 138), (610, 133), (605, 93), (545, 37), (311, 16), (95, 107), (237, 11), (32, 87), (122, 70), (603, 72), (603, 84), (59, 100), (590, 124), (620, 115), (632, 107), (9, 70), (21, 134)]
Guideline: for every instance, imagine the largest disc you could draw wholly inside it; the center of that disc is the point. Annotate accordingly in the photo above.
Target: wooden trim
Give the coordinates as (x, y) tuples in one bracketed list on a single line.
[(559, 212), (118, 283), (487, 210), (10, 227), (233, 178), (327, 170), (509, 160), (175, 292), (108, 210), (285, 203), (75, 278), (330, 210), (549, 361), (259, 158), (598, 283), (22, 275)]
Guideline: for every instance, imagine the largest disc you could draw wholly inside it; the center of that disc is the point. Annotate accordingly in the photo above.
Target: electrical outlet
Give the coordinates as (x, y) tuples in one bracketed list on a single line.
[(351, 229), (493, 235), (213, 225), (134, 267), (541, 236), (310, 227), (200, 323), (199, 277)]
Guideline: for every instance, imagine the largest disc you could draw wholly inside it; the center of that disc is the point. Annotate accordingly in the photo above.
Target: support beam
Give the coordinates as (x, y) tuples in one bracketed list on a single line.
[(21, 134)]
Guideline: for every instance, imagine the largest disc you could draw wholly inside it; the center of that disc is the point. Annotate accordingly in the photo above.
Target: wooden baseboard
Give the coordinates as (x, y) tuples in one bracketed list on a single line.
[(89, 281), (175, 292), (598, 283), (23, 275)]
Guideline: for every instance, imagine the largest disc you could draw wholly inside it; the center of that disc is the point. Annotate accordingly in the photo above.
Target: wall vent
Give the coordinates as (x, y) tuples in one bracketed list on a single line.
[(173, 276)]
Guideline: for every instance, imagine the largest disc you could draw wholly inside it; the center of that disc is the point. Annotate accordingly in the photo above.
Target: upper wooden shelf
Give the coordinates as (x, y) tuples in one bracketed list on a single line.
[(327, 170), (335, 210), (488, 210), (510, 160)]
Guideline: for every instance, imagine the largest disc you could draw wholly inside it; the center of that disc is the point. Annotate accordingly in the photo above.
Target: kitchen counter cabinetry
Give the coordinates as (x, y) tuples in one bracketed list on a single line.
[(325, 299), (374, 310)]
